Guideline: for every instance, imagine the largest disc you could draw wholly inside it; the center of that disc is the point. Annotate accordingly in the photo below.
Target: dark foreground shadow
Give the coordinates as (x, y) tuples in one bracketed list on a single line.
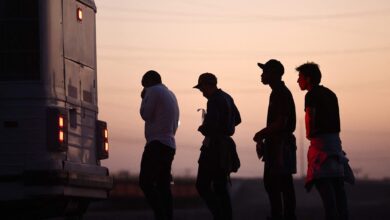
[(367, 200)]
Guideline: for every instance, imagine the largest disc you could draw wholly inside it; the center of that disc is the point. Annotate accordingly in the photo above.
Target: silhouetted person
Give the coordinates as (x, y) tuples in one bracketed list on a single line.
[(218, 157), (276, 143), (327, 165), (160, 111)]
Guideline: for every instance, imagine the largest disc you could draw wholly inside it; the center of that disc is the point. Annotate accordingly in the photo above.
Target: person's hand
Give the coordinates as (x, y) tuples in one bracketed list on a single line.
[(259, 149), (201, 130), (258, 137)]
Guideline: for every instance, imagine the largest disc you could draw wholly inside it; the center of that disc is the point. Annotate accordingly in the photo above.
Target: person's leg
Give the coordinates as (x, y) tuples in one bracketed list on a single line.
[(220, 184), (326, 190), (341, 198), (164, 181), (289, 200), (272, 186), (147, 179), (204, 187)]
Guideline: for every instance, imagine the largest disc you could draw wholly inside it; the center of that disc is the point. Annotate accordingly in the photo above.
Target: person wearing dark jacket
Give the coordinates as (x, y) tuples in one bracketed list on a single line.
[(276, 144), (218, 157)]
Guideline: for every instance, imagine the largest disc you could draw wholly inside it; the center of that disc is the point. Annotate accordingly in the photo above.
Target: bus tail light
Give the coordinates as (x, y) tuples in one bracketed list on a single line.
[(57, 129), (102, 146)]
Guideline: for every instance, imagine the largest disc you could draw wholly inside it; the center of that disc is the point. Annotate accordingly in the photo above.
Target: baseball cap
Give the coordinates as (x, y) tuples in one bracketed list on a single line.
[(206, 78), (273, 65)]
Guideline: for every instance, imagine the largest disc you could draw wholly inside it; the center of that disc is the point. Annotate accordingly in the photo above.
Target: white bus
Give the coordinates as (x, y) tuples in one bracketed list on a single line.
[(51, 141)]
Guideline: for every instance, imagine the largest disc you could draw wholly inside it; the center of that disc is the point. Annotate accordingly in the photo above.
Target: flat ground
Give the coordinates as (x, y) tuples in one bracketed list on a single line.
[(368, 200)]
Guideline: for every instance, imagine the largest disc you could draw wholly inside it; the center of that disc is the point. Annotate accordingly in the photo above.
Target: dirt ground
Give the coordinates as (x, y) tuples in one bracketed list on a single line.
[(368, 200)]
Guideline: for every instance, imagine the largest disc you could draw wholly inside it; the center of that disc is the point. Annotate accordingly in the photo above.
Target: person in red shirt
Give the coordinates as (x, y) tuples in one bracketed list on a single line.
[(327, 165)]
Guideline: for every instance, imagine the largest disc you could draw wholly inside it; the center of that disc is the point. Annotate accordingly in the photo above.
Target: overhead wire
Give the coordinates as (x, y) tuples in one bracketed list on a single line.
[(172, 53), (231, 17)]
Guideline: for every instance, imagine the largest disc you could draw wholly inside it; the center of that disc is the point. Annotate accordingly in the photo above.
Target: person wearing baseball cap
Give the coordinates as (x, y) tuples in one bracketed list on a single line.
[(272, 65), (218, 157), (276, 145), (206, 79)]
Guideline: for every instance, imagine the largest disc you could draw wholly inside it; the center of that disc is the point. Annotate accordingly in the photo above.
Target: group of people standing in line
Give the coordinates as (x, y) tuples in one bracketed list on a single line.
[(327, 170)]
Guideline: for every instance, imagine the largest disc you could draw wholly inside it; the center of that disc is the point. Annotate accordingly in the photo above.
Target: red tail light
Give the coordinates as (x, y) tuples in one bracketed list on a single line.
[(106, 147), (106, 139), (61, 134), (61, 137), (102, 145), (57, 129), (61, 121)]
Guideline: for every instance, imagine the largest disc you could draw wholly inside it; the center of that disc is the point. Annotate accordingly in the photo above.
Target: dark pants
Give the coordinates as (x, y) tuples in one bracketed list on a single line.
[(281, 194), (155, 178), (212, 186), (333, 197)]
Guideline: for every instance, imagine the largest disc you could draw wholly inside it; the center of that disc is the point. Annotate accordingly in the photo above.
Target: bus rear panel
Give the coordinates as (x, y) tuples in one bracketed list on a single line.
[(51, 141)]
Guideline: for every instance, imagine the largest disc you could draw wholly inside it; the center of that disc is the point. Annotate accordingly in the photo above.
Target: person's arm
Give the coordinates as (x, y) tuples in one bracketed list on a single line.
[(274, 127), (279, 123), (177, 114), (309, 121), (260, 149), (237, 115), (148, 104), (210, 123)]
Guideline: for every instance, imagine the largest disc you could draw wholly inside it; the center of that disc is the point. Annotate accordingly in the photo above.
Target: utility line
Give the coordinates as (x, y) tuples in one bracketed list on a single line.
[(241, 17), (223, 54)]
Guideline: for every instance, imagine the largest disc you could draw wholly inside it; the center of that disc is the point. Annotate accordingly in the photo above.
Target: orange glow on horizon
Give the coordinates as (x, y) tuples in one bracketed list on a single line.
[(352, 51)]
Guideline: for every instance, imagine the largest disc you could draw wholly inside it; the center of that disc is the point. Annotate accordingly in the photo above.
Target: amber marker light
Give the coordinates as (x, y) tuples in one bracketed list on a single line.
[(61, 121), (106, 140), (106, 146), (79, 14), (61, 136)]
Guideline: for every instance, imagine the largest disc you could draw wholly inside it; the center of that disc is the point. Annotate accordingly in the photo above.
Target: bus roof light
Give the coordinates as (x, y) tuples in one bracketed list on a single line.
[(79, 14)]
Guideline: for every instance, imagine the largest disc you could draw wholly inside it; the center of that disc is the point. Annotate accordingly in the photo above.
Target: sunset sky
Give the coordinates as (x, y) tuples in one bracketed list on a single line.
[(181, 39)]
